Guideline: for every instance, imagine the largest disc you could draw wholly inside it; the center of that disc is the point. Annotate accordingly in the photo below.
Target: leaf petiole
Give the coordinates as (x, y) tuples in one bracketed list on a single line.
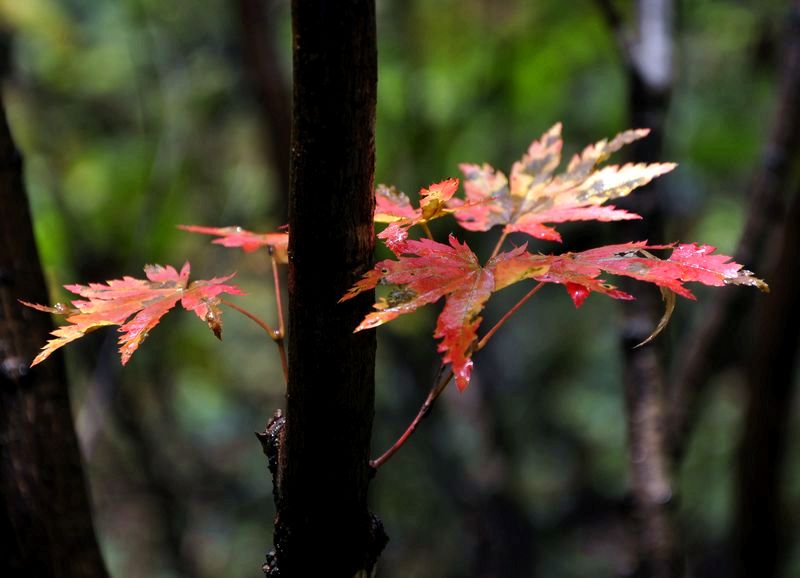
[(439, 386), (276, 280), (499, 245), (424, 410), (485, 339), (276, 336), (280, 333)]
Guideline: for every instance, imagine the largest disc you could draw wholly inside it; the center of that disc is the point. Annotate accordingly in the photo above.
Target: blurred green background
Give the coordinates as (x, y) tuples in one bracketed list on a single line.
[(137, 115)]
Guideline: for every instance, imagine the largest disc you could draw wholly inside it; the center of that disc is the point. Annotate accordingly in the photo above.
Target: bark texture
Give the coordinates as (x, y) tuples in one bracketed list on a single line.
[(46, 518), (323, 526)]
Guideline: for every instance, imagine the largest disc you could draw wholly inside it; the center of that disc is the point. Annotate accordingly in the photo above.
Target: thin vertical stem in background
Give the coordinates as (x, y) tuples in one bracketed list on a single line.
[(649, 63)]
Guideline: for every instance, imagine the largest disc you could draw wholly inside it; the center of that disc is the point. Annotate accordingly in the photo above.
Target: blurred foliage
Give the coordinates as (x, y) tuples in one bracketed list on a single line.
[(135, 115)]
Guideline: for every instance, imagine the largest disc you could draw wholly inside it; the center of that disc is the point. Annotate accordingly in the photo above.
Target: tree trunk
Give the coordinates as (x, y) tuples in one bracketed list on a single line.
[(649, 63), (708, 349), (761, 531), (47, 518), (323, 526)]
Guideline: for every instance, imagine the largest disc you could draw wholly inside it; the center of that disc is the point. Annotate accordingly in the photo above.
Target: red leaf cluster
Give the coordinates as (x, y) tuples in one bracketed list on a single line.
[(278, 243), (425, 271), (533, 197), (394, 207), (136, 305)]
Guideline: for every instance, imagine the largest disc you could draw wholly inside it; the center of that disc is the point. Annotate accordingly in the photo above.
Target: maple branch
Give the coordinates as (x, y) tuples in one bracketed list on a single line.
[(439, 386), (499, 245), (434, 393), (280, 334), (485, 339), (274, 335), (261, 323), (284, 360)]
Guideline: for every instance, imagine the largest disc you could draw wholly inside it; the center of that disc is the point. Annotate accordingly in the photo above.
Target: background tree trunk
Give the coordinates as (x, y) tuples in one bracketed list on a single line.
[(323, 526), (47, 518), (761, 529), (262, 68), (650, 468), (708, 350), (649, 63)]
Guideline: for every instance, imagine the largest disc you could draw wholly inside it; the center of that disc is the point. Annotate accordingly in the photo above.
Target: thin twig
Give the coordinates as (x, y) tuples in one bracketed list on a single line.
[(499, 245), (427, 230), (482, 343), (276, 280), (261, 323), (434, 393), (265, 326), (439, 386), (284, 360), (279, 335)]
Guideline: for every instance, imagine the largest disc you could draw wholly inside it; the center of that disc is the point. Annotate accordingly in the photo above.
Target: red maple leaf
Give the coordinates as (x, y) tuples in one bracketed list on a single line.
[(425, 272), (247, 240), (136, 305), (580, 272), (534, 196), (394, 207)]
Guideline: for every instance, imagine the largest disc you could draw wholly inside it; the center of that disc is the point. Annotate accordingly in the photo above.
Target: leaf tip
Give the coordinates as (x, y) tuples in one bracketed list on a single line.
[(669, 307)]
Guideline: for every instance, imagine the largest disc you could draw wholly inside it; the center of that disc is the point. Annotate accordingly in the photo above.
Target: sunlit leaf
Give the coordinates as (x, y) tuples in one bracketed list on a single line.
[(534, 197), (136, 305), (246, 240), (428, 271)]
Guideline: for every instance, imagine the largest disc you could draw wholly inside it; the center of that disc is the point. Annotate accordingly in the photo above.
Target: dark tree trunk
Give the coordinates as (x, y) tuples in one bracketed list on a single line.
[(323, 527), (649, 465), (709, 348), (649, 65), (760, 538), (47, 520)]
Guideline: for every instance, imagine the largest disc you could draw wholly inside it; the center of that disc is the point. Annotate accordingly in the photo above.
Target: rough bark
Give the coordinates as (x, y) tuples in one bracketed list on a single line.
[(708, 349), (47, 520), (760, 537), (323, 526)]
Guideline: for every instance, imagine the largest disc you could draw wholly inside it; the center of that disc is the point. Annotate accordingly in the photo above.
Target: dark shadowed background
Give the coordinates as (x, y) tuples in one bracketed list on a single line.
[(137, 115)]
